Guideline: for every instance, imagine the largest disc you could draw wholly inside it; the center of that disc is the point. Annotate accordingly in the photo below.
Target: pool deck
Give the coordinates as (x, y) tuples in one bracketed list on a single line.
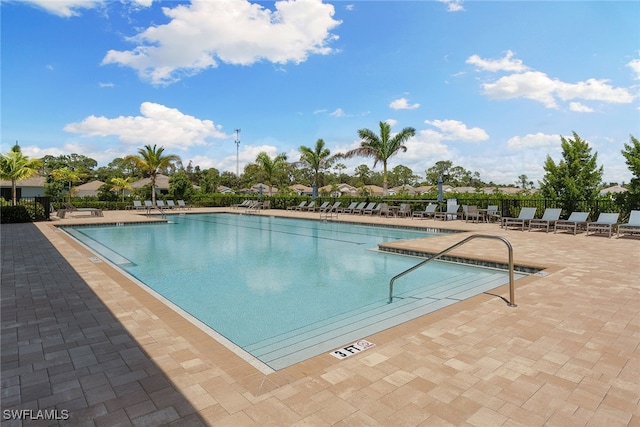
[(78, 336)]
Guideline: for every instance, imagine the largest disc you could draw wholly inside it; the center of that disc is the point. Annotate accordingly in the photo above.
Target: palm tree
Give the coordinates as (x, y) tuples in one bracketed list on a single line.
[(15, 166), (315, 158), (382, 147), (67, 174), (151, 160), (271, 167), (121, 184)]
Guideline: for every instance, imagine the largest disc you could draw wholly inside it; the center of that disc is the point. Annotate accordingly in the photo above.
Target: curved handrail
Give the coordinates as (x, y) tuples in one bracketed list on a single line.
[(450, 248)]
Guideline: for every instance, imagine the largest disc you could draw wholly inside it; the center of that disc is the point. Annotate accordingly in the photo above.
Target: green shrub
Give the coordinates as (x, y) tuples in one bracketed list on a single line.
[(14, 214)]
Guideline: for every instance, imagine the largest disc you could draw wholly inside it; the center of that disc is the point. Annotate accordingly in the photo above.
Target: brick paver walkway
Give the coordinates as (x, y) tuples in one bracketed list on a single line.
[(80, 337)]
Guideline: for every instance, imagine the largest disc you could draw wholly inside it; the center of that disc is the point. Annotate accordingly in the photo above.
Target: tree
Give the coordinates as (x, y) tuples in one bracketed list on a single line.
[(402, 175), (317, 158), (631, 154), (270, 168), (576, 177), (524, 182), (180, 186), (15, 166), (151, 161), (67, 175), (381, 147), (120, 184)]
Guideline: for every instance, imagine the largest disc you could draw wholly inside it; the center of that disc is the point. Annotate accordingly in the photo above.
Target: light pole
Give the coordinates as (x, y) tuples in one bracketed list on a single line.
[(237, 154)]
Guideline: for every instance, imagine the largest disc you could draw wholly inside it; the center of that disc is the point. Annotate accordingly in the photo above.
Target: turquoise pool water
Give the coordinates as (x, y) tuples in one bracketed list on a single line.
[(259, 280)]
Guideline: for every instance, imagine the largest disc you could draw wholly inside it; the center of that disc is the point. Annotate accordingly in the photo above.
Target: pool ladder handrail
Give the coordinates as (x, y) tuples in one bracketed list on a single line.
[(512, 297)]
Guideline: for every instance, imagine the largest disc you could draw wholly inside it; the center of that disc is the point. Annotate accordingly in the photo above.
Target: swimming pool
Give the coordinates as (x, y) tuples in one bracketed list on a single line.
[(283, 289)]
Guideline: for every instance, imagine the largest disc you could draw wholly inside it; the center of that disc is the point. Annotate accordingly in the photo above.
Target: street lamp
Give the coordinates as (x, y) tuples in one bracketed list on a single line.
[(237, 154)]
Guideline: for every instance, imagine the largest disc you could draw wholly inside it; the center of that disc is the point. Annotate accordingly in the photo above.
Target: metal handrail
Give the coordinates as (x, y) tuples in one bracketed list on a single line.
[(512, 297)]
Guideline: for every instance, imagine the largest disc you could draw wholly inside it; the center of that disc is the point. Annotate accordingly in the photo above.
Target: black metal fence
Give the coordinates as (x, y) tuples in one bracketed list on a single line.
[(37, 208)]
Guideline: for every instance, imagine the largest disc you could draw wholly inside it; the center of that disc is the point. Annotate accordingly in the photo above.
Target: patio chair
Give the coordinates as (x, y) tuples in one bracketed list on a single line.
[(604, 224), (332, 208), (428, 212), (405, 210), (549, 218), (171, 204), (137, 205), (384, 210), (523, 219), (631, 227), (493, 214), (297, 207), (473, 214), (349, 208), (160, 204), (575, 221), (183, 205), (450, 213)]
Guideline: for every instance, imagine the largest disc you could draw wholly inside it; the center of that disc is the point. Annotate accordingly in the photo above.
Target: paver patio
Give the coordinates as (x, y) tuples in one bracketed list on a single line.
[(78, 336)]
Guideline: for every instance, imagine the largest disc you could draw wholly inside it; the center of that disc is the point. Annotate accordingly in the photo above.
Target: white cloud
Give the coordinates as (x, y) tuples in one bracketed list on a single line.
[(65, 8), (580, 108), (339, 112), (503, 64), (167, 127), (453, 5), (533, 141), (402, 104), (391, 122), (453, 130), (635, 67), (237, 32), (106, 84), (538, 86)]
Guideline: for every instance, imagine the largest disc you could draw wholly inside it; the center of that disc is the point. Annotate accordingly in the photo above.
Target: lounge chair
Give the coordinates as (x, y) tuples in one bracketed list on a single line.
[(358, 208), (575, 221), (244, 204), (428, 212), (332, 208), (70, 208), (405, 210), (349, 208), (450, 213), (371, 209), (171, 204), (137, 205), (322, 207), (549, 218), (148, 205), (522, 221), (310, 207), (604, 224), (182, 205), (631, 227), (160, 204), (473, 214), (297, 207)]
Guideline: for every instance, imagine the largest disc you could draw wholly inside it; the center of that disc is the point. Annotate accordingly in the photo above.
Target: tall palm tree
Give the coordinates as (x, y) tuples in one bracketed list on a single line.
[(151, 161), (316, 158), (15, 166), (381, 147), (270, 167), (67, 175)]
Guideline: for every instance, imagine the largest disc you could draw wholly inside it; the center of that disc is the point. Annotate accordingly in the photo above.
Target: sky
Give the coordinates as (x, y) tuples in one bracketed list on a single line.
[(491, 86)]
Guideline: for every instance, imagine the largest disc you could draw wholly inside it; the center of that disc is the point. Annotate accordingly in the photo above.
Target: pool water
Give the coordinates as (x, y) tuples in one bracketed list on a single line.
[(264, 282)]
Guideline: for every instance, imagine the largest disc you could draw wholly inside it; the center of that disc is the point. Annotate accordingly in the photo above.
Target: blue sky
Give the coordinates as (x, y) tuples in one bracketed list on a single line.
[(490, 86)]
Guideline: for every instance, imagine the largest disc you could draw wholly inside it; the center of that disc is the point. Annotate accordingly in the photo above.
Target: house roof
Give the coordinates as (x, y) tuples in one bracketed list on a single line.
[(162, 182), (34, 181), (90, 186), (613, 189)]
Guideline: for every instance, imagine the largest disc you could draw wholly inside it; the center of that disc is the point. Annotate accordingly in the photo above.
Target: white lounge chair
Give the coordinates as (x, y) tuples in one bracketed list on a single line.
[(525, 215), (604, 224), (450, 213), (428, 212), (183, 205), (631, 227), (549, 218), (575, 221)]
